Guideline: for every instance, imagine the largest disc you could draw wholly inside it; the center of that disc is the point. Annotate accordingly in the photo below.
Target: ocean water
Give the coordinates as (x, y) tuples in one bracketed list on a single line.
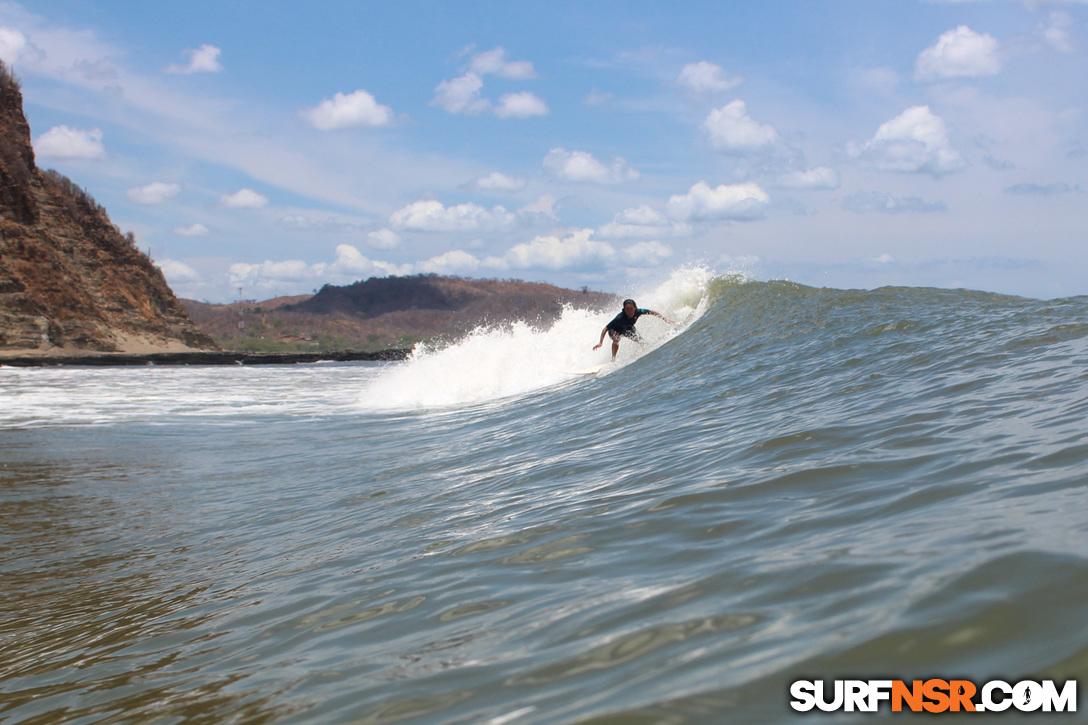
[(789, 483)]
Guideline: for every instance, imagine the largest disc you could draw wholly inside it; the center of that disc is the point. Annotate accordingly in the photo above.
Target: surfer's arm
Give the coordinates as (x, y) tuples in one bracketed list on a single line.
[(658, 314), (603, 333)]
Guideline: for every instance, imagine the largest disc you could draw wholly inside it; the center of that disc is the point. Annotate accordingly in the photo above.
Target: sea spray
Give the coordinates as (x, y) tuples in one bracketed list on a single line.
[(493, 363)]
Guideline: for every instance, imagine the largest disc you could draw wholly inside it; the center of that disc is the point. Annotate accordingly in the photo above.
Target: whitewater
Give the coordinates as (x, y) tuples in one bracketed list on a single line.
[(789, 483)]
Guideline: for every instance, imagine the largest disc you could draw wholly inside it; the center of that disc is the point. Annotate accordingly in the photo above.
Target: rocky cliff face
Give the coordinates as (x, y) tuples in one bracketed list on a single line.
[(69, 280)]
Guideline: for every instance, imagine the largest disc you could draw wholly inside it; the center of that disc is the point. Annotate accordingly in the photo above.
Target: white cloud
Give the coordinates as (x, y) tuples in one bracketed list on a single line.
[(453, 262), (433, 216), (741, 202), (62, 142), (244, 199), (292, 274), (317, 221), (204, 59), (520, 105), (576, 251), (1028, 189), (706, 77), (578, 166), (193, 230), (916, 141), (290, 270), (383, 239), (496, 181), (544, 206), (178, 272), (156, 192), (462, 95), (298, 221), (267, 274), (494, 61), (959, 53), (863, 202), (1056, 32), (642, 222), (731, 130), (351, 264), (12, 43), (646, 254), (820, 178), (643, 215), (348, 111)]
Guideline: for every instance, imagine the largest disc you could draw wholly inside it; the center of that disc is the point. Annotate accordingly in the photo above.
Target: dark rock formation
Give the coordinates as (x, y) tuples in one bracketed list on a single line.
[(469, 302), (69, 280), (384, 312)]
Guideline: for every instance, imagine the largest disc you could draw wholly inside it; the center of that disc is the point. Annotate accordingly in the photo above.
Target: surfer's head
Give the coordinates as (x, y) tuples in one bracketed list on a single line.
[(629, 306)]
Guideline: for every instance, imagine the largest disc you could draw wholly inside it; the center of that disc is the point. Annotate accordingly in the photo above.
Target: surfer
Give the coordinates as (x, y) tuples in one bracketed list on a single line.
[(623, 325)]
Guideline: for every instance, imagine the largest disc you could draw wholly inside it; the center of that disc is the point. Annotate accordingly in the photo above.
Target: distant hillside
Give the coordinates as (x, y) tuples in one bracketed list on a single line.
[(386, 312), (69, 280)]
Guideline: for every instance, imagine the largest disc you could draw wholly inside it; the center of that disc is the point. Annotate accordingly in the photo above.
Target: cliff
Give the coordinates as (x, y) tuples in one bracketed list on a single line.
[(69, 280), (476, 300), (386, 312)]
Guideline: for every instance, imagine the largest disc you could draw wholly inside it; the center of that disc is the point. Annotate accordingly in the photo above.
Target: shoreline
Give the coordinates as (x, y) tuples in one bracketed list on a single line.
[(198, 357)]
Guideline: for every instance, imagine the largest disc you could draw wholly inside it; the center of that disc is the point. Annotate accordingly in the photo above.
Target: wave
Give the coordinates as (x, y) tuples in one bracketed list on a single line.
[(759, 326), (794, 482), (493, 363)]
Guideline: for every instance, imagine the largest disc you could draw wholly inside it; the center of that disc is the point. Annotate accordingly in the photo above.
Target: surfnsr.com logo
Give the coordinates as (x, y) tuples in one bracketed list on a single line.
[(933, 695)]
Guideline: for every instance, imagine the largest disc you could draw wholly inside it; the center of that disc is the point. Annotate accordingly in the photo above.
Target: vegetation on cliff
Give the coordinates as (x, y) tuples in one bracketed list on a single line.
[(386, 312), (69, 279)]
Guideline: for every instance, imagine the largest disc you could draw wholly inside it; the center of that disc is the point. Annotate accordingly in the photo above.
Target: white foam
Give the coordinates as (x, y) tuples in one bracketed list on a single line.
[(491, 364), (102, 396)]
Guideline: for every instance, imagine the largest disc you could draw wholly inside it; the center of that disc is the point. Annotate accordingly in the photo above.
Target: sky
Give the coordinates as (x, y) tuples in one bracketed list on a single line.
[(268, 148)]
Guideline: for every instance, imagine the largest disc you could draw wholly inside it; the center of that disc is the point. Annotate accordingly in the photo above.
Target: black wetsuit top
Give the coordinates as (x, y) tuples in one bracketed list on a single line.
[(625, 325)]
